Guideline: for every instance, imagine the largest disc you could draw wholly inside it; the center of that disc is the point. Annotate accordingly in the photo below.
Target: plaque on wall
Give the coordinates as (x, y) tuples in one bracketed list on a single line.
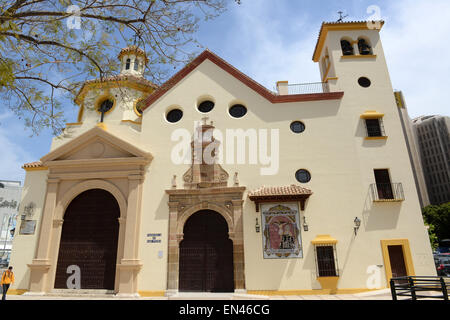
[(27, 227), (281, 231)]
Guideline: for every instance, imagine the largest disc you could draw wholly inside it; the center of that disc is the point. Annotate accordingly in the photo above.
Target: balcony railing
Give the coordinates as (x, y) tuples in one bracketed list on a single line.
[(304, 88), (382, 192)]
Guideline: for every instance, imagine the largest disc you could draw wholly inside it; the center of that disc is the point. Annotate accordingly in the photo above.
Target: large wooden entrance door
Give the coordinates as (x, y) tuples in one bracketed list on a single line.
[(89, 240), (397, 261), (206, 254)]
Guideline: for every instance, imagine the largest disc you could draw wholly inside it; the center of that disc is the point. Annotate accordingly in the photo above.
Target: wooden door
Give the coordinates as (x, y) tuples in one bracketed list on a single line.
[(397, 261), (206, 254), (89, 239)]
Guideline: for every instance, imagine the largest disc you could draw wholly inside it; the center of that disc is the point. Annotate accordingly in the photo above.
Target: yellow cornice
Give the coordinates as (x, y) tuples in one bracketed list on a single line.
[(133, 122), (372, 114), (36, 168), (108, 84), (359, 56), (74, 123), (339, 27), (324, 239)]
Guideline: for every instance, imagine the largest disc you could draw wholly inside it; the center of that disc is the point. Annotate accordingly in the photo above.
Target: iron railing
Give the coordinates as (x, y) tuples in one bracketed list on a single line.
[(308, 88), (413, 287), (387, 192)]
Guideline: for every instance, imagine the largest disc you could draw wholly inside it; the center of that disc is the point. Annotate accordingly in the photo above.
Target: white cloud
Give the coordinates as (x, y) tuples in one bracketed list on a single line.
[(271, 50), (13, 155), (416, 43)]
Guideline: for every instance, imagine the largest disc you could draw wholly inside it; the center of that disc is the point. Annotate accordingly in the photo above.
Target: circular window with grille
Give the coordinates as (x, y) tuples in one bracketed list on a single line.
[(205, 106), (238, 111), (297, 127), (364, 82), (303, 176), (174, 115)]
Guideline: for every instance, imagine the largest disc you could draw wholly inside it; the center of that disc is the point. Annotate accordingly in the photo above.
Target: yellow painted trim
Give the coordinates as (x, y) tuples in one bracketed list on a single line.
[(278, 82), (309, 292), (131, 121), (326, 73), (376, 138), (406, 255), (16, 292), (399, 99), (151, 293), (74, 123), (103, 97), (359, 56), (80, 113), (332, 78), (102, 125), (135, 105), (389, 200), (35, 169), (338, 27), (372, 114), (324, 239)]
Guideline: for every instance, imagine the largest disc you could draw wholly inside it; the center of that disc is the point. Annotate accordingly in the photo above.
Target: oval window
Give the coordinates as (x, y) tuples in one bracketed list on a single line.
[(105, 105), (174, 115), (297, 127), (364, 82), (303, 176), (206, 106), (238, 111)]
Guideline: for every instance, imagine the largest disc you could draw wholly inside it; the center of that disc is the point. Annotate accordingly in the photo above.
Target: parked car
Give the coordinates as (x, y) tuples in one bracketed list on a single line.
[(442, 262)]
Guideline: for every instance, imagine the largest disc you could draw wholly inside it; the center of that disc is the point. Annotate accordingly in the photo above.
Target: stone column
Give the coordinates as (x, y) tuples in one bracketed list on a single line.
[(173, 254), (130, 264), (238, 247), (41, 263)]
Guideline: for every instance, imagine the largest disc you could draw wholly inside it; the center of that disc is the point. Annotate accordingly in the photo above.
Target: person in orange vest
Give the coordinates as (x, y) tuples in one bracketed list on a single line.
[(7, 280)]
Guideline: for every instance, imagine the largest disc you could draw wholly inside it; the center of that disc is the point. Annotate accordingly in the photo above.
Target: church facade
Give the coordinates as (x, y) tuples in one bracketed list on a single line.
[(212, 183)]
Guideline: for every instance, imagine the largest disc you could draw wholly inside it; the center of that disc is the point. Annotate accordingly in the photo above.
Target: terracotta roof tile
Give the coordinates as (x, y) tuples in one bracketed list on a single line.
[(36, 164)]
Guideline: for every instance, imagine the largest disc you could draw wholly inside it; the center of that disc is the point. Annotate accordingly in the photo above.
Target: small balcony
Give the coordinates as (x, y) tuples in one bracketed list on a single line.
[(387, 192), (284, 88)]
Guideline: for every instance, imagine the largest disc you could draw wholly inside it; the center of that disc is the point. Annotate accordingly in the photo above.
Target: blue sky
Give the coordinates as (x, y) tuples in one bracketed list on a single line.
[(274, 40)]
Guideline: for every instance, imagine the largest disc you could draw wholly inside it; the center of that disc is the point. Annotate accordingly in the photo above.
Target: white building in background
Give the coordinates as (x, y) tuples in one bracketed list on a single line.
[(10, 193)]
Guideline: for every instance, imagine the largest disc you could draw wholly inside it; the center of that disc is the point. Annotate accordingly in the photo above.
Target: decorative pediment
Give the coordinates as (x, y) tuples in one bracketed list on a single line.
[(96, 146)]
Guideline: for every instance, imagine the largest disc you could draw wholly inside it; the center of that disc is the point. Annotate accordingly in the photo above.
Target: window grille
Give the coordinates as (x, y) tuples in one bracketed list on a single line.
[(326, 260)]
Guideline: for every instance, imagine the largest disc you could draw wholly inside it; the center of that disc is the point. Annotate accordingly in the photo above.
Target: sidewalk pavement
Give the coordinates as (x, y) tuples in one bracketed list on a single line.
[(383, 294)]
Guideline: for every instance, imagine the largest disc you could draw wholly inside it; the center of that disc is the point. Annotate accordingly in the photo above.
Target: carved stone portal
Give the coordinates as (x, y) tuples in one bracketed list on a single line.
[(205, 187)]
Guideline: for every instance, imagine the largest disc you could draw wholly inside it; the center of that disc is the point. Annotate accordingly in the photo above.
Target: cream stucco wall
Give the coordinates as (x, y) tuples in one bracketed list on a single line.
[(332, 149)]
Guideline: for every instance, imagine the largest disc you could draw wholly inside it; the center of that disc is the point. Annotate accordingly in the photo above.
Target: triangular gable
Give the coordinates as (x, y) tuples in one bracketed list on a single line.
[(91, 136), (249, 82)]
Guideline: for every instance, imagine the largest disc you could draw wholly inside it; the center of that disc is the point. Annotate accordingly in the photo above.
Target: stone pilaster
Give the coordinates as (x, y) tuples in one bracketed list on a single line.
[(41, 263)]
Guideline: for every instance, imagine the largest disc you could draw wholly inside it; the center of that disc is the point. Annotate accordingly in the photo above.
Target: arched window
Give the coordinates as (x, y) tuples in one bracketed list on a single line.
[(136, 64), (347, 48), (364, 47), (127, 65)]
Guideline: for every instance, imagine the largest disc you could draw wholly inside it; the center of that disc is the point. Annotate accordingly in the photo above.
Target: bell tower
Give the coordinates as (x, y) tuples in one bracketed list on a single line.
[(349, 51), (132, 61)]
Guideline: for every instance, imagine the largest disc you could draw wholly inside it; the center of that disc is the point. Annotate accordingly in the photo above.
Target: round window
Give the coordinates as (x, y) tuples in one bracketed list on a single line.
[(238, 111), (364, 82), (303, 176), (105, 105), (174, 115), (206, 106), (297, 127)]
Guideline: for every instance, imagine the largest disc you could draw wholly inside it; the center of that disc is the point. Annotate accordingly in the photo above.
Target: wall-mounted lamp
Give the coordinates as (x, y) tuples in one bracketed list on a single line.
[(305, 225), (357, 222), (257, 226)]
